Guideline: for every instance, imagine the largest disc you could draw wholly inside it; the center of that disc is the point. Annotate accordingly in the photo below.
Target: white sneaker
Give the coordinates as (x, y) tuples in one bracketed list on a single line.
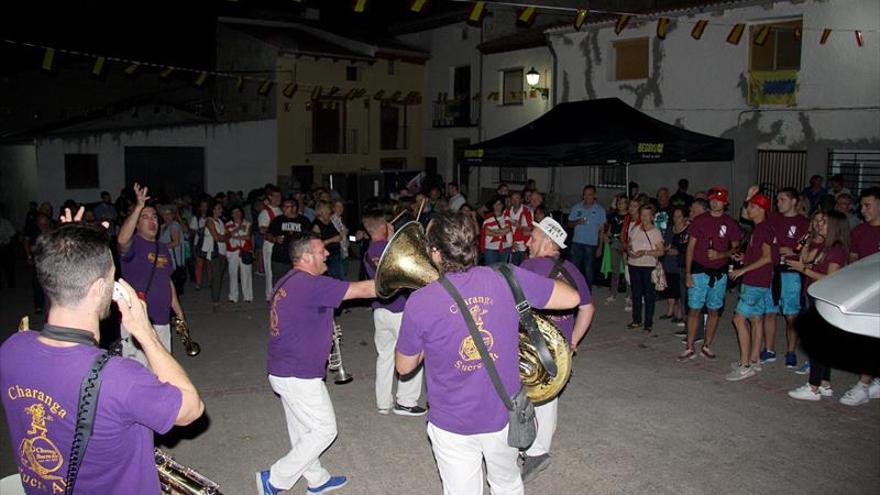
[(805, 392), (627, 309), (741, 372), (874, 389), (826, 391), (756, 365), (856, 396), (609, 299)]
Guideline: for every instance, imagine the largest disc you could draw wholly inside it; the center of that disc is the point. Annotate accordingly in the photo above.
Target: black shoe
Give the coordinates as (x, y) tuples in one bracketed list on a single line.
[(409, 411), (681, 333), (634, 325), (665, 317)]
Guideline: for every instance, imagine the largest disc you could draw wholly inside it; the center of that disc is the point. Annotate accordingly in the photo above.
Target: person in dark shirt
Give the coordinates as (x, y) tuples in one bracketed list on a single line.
[(681, 198), (324, 229), (282, 231)]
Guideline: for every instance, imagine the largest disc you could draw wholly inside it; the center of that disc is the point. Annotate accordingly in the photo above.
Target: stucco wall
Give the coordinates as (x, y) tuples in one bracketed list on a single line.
[(238, 156), (18, 180)]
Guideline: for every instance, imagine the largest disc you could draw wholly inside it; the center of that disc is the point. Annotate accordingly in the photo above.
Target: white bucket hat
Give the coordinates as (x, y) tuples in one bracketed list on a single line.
[(553, 230)]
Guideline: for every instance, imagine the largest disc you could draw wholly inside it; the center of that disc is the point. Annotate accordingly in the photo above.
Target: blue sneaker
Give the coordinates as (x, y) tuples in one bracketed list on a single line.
[(768, 357), (790, 360), (334, 483), (263, 485), (804, 369)]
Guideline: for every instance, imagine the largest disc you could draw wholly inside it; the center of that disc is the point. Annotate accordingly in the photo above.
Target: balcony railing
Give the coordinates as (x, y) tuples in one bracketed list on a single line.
[(334, 141), (456, 112)]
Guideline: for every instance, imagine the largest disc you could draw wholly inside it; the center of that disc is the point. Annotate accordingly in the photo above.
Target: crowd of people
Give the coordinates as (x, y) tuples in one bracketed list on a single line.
[(688, 250)]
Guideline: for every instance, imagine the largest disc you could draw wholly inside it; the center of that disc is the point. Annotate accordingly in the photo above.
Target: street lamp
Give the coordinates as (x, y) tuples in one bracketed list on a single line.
[(532, 79)]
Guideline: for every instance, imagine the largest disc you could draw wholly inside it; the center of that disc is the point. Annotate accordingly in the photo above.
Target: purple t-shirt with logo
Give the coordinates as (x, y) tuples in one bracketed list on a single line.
[(462, 397), (721, 231), (564, 319), (371, 261), (137, 264), (762, 234), (301, 324), (40, 385), (789, 230)]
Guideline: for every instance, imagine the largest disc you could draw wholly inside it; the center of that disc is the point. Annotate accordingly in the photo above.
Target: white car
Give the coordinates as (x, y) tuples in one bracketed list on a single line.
[(850, 298)]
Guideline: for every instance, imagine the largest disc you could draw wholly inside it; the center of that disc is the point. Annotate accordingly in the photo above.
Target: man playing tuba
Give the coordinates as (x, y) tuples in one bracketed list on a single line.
[(547, 239), (467, 420)]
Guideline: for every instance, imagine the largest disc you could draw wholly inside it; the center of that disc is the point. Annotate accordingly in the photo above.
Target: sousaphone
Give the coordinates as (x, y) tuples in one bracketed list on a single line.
[(406, 264)]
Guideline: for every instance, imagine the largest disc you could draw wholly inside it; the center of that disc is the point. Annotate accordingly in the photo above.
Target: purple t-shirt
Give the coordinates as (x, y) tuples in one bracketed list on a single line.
[(371, 261), (462, 397), (40, 385), (865, 240), (301, 324), (762, 234), (564, 319), (721, 231), (137, 264)]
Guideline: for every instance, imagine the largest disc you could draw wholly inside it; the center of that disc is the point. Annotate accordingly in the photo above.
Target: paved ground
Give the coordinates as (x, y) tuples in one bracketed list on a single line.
[(632, 420)]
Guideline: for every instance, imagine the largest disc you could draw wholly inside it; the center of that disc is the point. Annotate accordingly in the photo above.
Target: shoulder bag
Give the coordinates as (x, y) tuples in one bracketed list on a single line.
[(658, 275)]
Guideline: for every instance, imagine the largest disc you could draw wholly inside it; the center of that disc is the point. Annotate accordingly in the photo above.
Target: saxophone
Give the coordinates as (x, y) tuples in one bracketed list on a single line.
[(177, 479), (182, 330)]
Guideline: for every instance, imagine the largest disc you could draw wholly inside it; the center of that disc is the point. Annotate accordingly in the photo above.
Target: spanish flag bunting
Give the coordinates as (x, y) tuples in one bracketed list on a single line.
[(349, 95), (379, 94), (417, 5), (824, 38), (736, 33), (478, 10), (316, 92), (762, 35), (527, 16), (798, 33), (166, 72), (359, 92), (48, 58), (620, 25), (201, 78), (699, 27), (239, 83), (859, 40), (289, 90), (395, 96), (99, 66), (580, 18), (662, 27), (265, 87), (359, 6), (132, 68)]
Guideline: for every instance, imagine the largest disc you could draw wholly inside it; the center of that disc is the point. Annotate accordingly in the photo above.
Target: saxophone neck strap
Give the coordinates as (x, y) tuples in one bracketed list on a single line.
[(85, 417), (478, 341), (559, 267), (527, 319), (66, 334)]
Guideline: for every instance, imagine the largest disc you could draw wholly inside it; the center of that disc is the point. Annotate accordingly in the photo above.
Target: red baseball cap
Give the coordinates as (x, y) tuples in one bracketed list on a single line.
[(718, 193), (761, 200)]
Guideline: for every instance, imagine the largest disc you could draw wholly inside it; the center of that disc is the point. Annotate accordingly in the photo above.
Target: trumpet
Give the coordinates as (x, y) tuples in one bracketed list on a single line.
[(335, 359), (182, 330), (177, 479)]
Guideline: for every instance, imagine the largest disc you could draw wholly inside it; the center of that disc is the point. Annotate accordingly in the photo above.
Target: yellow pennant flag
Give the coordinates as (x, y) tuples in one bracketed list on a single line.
[(662, 27), (379, 94), (580, 18), (48, 58), (239, 83), (316, 92), (289, 90), (265, 87), (699, 27), (417, 5), (620, 25), (99, 66), (201, 79), (736, 34), (132, 68), (166, 72), (527, 16), (359, 6), (478, 10), (762, 35)]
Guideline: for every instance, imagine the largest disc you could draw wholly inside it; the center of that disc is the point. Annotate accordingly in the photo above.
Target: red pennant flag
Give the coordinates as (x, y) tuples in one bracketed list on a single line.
[(359, 6), (620, 25), (417, 5), (824, 38), (475, 17), (736, 34), (662, 27), (762, 35), (527, 16), (699, 27), (859, 40), (580, 18)]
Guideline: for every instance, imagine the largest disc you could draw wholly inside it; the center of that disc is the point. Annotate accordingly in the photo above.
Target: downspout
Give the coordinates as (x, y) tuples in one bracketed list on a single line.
[(553, 71)]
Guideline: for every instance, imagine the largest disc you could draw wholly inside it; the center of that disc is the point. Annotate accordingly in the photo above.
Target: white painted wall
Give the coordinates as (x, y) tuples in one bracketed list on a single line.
[(18, 180), (238, 156)]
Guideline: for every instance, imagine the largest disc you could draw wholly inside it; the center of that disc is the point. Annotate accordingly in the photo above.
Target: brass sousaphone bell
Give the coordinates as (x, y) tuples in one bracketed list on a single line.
[(406, 264)]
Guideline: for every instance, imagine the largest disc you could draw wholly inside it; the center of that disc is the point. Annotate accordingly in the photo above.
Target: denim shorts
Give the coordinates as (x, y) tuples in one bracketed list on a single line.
[(755, 301), (790, 299), (701, 295)]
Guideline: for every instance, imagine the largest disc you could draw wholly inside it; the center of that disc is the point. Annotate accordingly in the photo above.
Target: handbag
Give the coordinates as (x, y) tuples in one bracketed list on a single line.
[(521, 426), (658, 274), (247, 257)]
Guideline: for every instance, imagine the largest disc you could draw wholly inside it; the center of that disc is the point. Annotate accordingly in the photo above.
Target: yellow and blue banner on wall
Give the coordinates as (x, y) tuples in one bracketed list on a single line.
[(777, 87)]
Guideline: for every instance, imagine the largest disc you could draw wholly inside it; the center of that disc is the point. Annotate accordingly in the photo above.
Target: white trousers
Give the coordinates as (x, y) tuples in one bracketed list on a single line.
[(408, 391), (460, 462), (311, 425), (131, 349), (236, 268), (267, 267), (545, 414)]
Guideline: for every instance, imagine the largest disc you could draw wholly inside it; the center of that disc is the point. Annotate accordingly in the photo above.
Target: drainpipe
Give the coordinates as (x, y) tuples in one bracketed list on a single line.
[(553, 71)]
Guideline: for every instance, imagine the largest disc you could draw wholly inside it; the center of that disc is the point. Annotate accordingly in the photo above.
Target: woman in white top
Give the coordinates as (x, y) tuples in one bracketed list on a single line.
[(645, 245), (214, 251), (497, 235), (239, 256), (197, 234)]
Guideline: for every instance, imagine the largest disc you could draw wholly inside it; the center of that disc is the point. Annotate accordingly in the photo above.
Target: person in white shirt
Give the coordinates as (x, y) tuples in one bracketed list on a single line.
[(521, 222), (239, 256), (456, 200), (214, 250), (271, 210)]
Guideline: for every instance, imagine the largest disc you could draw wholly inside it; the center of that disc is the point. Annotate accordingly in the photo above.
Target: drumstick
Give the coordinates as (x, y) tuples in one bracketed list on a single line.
[(395, 219), (421, 205)]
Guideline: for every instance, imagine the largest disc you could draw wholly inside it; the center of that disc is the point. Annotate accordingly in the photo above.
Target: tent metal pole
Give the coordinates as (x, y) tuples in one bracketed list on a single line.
[(627, 180)]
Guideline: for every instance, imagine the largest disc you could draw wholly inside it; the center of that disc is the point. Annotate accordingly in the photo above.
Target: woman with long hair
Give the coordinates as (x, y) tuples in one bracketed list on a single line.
[(829, 253), (239, 255), (214, 251), (645, 247), (629, 220), (676, 240), (497, 234), (197, 237)]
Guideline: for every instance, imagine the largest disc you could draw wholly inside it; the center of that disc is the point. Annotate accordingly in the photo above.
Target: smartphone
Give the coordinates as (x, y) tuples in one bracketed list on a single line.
[(119, 294), (352, 238)]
